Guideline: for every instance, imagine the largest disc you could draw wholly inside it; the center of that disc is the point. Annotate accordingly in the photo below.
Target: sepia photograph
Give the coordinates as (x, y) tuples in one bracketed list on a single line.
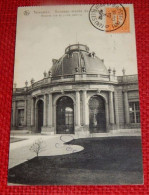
[(75, 116)]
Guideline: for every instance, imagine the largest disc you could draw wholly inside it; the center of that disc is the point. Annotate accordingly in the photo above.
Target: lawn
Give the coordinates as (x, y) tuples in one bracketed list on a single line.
[(116, 160)]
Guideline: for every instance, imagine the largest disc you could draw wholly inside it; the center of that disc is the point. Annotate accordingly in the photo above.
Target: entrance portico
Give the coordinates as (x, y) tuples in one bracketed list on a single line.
[(92, 111)]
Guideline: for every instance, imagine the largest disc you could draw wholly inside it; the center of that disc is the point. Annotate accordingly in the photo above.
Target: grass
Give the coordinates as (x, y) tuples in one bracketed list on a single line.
[(103, 161)]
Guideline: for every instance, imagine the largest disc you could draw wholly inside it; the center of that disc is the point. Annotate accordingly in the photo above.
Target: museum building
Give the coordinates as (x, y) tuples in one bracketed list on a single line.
[(78, 95)]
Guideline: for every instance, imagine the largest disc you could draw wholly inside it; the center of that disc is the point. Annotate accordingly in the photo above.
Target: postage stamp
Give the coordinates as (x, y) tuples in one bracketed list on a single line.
[(110, 17)]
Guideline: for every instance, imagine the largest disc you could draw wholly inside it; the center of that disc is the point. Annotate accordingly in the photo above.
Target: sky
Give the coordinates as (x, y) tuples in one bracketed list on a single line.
[(45, 32)]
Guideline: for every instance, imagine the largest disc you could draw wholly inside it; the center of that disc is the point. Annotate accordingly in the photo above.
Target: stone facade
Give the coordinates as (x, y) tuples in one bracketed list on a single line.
[(71, 98)]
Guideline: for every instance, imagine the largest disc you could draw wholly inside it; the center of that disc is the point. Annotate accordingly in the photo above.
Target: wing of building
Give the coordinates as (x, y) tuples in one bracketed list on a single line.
[(79, 94)]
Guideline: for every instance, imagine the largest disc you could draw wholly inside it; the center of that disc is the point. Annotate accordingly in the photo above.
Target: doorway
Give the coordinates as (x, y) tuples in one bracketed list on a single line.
[(65, 116), (97, 117)]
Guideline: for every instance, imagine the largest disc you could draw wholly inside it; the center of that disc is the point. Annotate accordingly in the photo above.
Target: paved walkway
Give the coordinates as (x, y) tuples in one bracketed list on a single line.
[(19, 152), (54, 144)]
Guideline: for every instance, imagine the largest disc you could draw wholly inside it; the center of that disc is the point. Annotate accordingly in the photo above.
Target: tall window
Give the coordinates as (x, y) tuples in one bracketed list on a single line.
[(20, 117), (134, 111)]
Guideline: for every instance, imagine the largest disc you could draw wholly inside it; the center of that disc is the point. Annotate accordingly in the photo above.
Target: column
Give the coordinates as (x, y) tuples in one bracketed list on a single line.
[(50, 111), (25, 112), (116, 109), (32, 112), (54, 116), (111, 108), (107, 114), (14, 114), (77, 108), (126, 107), (85, 109), (45, 111)]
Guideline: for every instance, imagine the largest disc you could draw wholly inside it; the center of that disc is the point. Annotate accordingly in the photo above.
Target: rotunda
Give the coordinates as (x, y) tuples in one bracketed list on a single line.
[(78, 95)]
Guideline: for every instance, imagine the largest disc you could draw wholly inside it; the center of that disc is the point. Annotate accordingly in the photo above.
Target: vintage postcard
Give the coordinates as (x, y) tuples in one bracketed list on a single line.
[(75, 106)]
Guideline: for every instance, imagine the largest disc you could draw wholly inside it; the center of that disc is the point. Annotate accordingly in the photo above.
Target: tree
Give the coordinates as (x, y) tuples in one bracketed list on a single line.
[(37, 147)]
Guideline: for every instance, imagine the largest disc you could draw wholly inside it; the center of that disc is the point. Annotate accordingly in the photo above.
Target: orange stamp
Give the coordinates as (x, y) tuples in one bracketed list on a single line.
[(115, 20), (110, 17)]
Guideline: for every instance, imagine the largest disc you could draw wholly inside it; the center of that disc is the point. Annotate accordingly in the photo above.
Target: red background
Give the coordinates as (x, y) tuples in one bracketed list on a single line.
[(8, 14)]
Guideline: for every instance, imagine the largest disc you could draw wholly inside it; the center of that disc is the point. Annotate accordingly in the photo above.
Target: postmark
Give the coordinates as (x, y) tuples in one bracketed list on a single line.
[(107, 17)]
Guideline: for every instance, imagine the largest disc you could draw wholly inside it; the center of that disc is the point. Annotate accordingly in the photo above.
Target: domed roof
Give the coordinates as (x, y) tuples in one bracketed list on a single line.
[(77, 58)]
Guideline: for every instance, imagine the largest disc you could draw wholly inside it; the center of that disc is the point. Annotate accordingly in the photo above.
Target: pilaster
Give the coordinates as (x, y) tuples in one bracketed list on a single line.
[(126, 107), (50, 111), (45, 111), (77, 108), (85, 109), (32, 112), (116, 109), (25, 112), (111, 108)]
